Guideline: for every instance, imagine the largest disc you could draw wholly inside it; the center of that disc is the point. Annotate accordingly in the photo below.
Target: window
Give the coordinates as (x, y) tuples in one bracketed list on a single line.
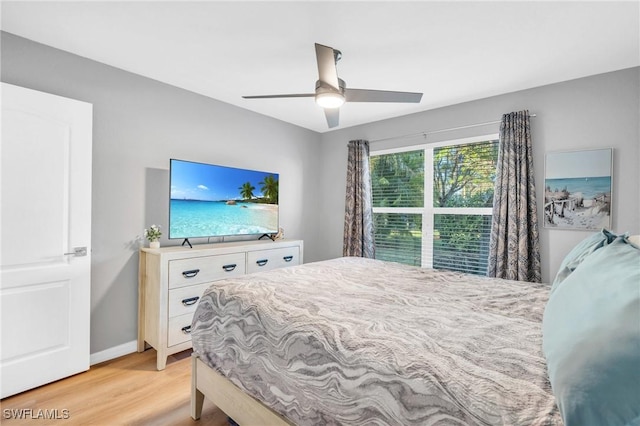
[(432, 204)]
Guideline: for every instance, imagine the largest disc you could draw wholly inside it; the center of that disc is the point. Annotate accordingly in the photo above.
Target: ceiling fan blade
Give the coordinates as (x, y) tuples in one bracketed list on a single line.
[(291, 95), (333, 116), (327, 72), (365, 95)]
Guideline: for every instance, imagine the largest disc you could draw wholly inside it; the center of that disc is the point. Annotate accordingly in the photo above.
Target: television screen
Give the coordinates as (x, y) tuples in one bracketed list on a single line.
[(208, 200)]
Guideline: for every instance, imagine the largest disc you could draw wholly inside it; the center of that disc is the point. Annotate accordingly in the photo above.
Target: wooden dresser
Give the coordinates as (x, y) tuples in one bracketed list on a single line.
[(172, 279)]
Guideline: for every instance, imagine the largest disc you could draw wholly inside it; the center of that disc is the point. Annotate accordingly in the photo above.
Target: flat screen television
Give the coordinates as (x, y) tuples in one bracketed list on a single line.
[(209, 200)]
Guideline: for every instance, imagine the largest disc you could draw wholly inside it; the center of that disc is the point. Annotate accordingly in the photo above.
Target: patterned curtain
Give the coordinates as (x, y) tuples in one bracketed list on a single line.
[(514, 249), (358, 215)]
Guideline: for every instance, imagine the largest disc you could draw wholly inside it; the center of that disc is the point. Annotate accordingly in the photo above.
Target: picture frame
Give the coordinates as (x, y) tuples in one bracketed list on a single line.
[(577, 189)]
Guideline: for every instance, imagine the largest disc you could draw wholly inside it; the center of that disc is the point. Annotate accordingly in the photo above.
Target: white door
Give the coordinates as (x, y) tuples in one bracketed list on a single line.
[(45, 214)]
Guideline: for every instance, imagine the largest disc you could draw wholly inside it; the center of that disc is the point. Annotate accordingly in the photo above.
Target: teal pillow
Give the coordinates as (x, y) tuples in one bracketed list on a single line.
[(591, 339), (580, 253)]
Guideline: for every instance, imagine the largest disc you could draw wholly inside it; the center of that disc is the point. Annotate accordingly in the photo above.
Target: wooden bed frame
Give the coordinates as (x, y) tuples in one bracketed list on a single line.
[(242, 408)]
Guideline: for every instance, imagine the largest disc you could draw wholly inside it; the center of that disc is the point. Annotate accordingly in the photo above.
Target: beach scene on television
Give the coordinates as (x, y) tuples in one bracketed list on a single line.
[(578, 190), (210, 200)]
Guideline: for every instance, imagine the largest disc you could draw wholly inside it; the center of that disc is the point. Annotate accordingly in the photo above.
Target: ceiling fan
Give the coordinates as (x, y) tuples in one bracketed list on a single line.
[(331, 91)]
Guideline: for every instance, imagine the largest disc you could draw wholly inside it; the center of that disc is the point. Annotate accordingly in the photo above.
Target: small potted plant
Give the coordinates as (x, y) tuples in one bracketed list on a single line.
[(153, 234)]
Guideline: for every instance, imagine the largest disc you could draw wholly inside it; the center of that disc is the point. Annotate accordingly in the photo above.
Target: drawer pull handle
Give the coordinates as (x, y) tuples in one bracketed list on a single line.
[(288, 258), (190, 274), (190, 301), (230, 267), (186, 329), (262, 262)]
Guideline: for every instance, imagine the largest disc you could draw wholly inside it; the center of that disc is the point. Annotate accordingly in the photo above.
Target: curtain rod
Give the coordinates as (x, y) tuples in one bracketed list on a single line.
[(425, 133)]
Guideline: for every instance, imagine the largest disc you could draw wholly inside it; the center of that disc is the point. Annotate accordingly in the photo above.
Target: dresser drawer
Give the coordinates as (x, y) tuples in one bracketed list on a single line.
[(265, 260), (179, 329), (197, 270), (184, 300), (173, 279)]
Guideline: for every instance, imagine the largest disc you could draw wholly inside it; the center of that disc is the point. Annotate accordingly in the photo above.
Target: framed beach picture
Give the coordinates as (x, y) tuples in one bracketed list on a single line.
[(577, 192)]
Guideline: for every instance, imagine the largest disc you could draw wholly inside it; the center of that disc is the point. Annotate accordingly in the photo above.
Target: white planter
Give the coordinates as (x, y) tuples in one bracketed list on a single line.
[(154, 244)]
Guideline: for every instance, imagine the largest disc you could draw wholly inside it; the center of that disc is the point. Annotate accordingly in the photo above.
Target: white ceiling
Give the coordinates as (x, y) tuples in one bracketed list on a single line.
[(451, 51)]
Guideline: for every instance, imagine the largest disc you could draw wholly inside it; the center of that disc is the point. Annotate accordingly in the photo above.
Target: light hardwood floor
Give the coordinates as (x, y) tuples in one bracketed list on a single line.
[(124, 391)]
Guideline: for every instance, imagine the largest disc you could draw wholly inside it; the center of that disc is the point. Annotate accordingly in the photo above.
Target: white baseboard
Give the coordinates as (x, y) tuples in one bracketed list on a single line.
[(114, 352)]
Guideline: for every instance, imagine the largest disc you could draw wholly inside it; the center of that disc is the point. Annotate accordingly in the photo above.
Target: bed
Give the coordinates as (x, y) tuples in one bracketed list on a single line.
[(359, 341)]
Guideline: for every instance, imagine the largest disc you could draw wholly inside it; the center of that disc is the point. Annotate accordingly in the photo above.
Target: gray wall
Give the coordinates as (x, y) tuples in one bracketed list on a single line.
[(595, 112), (139, 124)]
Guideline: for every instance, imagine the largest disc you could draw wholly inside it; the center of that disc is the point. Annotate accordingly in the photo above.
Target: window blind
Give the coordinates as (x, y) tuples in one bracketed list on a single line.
[(444, 222), (397, 180), (464, 175), (461, 242), (398, 237)]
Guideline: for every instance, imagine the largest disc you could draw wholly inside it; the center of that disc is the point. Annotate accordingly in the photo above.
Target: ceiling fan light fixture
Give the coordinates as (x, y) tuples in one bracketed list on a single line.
[(330, 99), (331, 91)]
